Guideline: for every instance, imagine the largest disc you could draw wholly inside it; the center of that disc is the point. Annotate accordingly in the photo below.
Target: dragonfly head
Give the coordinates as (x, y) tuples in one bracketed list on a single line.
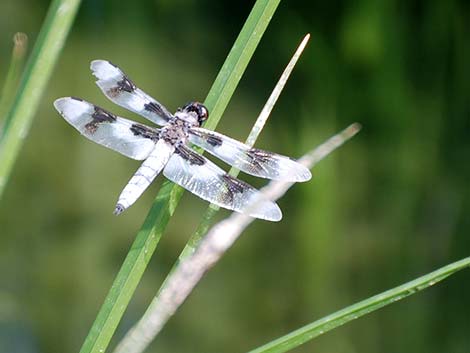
[(198, 109)]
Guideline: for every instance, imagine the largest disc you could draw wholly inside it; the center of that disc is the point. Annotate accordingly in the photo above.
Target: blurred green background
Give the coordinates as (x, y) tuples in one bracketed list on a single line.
[(390, 205)]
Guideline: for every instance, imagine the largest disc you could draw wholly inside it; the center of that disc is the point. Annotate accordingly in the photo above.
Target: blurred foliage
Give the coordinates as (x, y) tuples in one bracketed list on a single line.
[(390, 205)]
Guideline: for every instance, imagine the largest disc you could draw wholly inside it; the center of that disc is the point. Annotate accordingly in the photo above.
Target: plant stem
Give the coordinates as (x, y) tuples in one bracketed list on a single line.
[(20, 45), (367, 306), (38, 70)]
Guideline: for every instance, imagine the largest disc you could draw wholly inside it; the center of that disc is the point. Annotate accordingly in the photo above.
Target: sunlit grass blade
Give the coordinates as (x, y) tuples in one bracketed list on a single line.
[(271, 102), (169, 195), (20, 45), (34, 80), (219, 239), (341, 317)]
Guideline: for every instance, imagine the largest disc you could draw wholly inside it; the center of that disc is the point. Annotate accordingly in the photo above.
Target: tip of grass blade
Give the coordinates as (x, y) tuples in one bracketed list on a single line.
[(355, 127), (304, 42), (269, 105), (352, 130), (20, 44)]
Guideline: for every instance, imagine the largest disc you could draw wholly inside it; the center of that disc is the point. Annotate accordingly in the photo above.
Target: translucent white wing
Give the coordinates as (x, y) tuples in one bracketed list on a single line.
[(144, 176), (204, 179), (119, 88), (124, 136), (253, 161)]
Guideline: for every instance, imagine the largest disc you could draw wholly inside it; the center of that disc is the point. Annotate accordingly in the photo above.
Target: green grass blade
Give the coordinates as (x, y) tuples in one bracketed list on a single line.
[(33, 83), (238, 59), (20, 44), (168, 197), (131, 270), (341, 317)]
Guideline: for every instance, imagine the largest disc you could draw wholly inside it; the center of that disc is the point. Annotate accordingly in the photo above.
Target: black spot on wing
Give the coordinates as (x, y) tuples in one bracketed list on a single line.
[(188, 155), (77, 99), (145, 131), (260, 155), (99, 116), (126, 85), (156, 108), (214, 140), (233, 186), (258, 158)]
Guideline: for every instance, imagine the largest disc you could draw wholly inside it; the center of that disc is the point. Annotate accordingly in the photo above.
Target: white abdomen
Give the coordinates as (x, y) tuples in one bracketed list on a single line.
[(144, 176)]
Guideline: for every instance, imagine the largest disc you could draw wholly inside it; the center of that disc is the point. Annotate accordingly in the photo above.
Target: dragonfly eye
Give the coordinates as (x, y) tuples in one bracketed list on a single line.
[(202, 113), (198, 108)]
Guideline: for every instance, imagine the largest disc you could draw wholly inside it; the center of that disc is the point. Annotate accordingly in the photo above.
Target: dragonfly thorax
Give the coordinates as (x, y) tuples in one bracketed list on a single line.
[(191, 115), (176, 132)]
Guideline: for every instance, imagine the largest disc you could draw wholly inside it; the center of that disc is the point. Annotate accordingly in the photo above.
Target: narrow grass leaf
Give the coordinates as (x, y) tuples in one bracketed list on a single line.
[(190, 271), (341, 317), (238, 58), (38, 70), (169, 195), (20, 45)]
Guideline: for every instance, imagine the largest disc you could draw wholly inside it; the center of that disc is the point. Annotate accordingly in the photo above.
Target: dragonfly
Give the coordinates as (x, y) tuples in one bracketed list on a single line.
[(168, 148)]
